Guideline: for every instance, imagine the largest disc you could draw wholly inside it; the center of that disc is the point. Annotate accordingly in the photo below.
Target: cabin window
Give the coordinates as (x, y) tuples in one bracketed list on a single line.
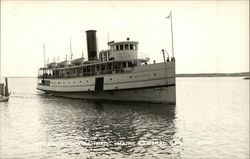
[(109, 66), (79, 70), (108, 55), (124, 64), (93, 68), (131, 46), (117, 65), (88, 69), (103, 67), (100, 56), (84, 69), (130, 64), (64, 71), (105, 56), (121, 47), (117, 47), (126, 47), (98, 67)]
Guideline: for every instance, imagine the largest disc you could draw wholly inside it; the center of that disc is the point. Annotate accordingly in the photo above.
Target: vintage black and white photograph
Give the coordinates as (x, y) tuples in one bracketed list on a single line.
[(124, 79)]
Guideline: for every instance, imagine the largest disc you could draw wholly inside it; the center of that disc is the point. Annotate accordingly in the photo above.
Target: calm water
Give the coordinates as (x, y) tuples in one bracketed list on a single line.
[(210, 120)]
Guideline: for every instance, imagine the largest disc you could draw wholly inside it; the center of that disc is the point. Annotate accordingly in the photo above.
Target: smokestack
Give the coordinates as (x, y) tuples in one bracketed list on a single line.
[(91, 45)]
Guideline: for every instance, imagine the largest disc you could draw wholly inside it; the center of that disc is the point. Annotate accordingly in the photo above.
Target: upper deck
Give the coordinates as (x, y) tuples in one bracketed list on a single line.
[(120, 57), (91, 69)]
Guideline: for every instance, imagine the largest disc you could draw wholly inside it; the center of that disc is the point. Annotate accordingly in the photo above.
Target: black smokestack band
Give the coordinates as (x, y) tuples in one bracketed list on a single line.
[(91, 45)]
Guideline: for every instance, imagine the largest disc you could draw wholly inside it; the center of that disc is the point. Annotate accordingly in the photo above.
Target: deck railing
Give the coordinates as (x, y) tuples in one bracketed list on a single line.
[(85, 74)]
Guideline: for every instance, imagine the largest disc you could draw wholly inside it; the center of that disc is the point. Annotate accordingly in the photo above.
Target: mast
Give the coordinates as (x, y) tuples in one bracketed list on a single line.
[(71, 54), (172, 34), (108, 36), (44, 55), (0, 67)]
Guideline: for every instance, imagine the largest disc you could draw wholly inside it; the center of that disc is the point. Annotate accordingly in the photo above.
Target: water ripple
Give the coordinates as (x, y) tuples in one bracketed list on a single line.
[(210, 120)]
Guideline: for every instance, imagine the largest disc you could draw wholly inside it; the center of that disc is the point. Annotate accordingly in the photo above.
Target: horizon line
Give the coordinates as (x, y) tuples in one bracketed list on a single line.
[(176, 74)]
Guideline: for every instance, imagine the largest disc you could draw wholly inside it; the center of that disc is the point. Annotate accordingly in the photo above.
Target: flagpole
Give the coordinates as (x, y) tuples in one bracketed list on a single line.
[(172, 34)]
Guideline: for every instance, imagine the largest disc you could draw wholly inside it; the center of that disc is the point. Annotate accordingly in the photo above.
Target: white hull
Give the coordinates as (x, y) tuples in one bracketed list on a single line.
[(165, 94), (150, 83)]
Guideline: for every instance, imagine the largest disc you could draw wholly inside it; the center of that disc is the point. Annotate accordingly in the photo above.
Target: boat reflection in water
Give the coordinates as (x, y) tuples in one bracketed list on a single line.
[(109, 129)]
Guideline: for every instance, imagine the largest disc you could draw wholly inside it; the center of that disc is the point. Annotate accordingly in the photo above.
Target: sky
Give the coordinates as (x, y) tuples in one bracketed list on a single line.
[(208, 36)]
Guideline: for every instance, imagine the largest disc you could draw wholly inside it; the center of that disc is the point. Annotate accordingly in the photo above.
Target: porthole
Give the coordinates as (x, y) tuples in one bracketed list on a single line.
[(130, 76), (87, 81), (111, 79), (154, 74)]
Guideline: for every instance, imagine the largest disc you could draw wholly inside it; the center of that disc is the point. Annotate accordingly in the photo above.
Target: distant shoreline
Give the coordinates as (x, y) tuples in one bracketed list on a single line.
[(241, 74)]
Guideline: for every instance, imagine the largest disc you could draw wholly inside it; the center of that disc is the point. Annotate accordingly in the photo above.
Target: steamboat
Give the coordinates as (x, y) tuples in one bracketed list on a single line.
[(112, 74)]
